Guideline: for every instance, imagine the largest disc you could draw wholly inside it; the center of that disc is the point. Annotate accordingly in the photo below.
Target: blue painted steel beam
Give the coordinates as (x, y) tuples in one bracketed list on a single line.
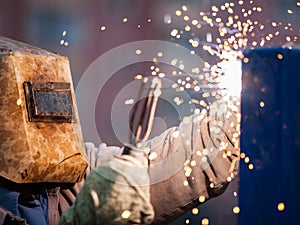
[(270, 137)]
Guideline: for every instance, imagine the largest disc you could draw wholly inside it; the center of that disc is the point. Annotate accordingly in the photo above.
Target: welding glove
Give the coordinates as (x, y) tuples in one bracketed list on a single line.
[(115, 193)]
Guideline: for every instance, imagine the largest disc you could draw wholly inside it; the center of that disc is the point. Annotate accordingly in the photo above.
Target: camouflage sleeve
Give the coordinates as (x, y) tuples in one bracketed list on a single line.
[(65, 198), (196, 160), (115, 193)]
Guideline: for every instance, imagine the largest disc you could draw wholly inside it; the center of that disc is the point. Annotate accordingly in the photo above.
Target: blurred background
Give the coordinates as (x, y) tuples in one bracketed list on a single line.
[(85, 30)]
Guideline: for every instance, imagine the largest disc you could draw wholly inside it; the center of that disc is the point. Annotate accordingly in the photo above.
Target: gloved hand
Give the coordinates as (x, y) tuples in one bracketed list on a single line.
[(114, 193)]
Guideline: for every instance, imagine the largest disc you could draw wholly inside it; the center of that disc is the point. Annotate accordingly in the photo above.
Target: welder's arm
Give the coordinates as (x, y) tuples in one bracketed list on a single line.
[(198, 158)]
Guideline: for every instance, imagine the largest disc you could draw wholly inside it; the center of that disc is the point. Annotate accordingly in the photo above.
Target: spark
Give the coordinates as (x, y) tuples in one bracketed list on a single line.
[(129, 102), (19, 102), (187, 28), (138, 52), (178, 13), (152, 156), (236, 210), (138, 77), (174, 32), (205, 221), (185, 183), (125, 214), (250, 166), (160, 54), (281, 206), (167, 19), (193, 163), (247, 160), (195, 44), (184, 7), (243, 155), (194, 22), (201, 199), (195, 211), (186, 18)]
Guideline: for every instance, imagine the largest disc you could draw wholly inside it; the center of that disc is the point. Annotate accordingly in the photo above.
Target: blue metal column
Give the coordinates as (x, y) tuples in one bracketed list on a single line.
[(269, 193)]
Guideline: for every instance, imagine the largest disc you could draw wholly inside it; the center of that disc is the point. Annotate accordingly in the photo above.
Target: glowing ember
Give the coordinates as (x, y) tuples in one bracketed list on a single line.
[(125, 214), (195, 211), (236, 210), (247, 159), (129, 102), (138, 77), (19, 101), (201, 199), (262, 104), (281, 206), (152, 156), (138, 52), (250, 166), (279, 56), (205, 221)]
